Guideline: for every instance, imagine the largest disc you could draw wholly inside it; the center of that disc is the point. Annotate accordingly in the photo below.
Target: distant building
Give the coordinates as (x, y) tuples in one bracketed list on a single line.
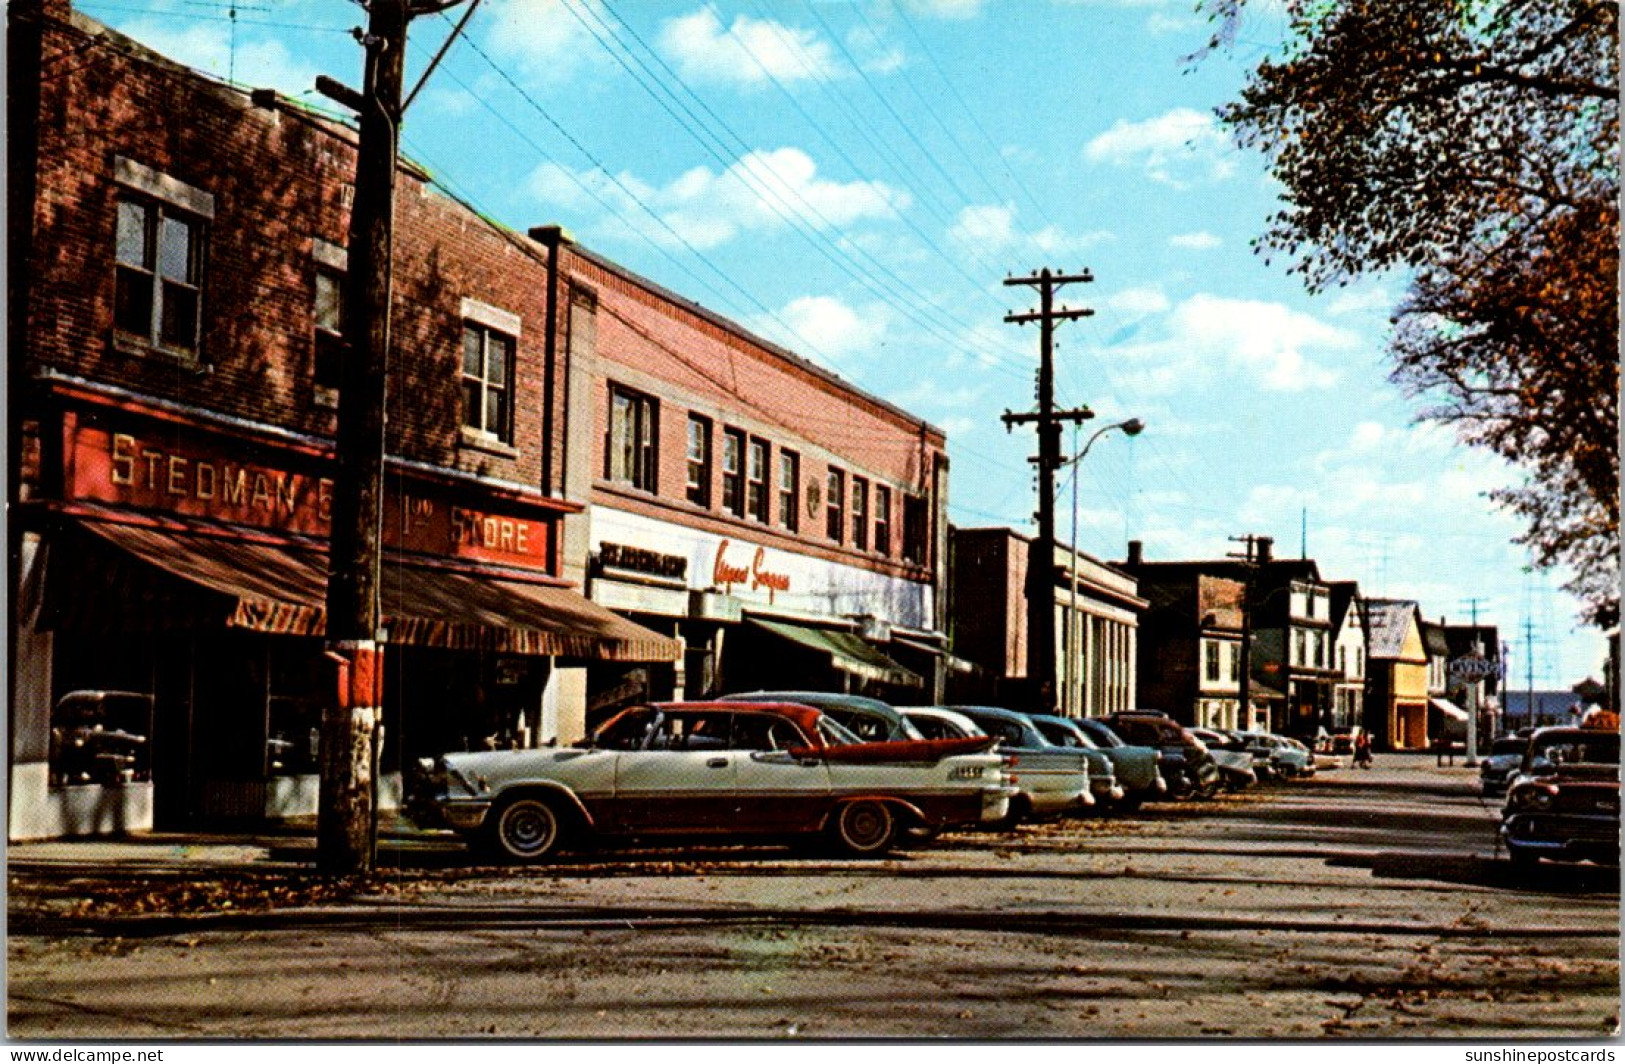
[(1098, 611), (1349, 653), (1190, 647), (1535, 709), (1396, 707)]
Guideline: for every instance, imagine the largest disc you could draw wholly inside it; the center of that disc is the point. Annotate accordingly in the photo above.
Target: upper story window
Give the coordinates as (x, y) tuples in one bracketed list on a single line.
[(487, 382), (789, 490), (835, 509), (1320, 648), (882, 519), (633, 430), (1300, 651), (698, 487), (327, 312), (1343, 660), (733, 472), (916, 528), (1235, 663), (860, 513), (756, 480), (158, 254), (1359, 661), (1211, 649)]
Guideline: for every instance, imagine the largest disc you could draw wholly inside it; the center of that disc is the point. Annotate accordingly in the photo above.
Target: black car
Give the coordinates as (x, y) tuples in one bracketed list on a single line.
[(1186, 764), (1564, 802)]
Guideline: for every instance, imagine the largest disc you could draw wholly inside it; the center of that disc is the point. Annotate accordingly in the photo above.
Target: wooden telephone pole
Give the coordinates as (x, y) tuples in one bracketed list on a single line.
[(1250, 560), (1041, 563), (346, 826)]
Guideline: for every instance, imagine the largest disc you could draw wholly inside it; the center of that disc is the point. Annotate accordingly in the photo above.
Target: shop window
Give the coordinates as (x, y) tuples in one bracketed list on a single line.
[(733, 472), (789, 490), (882, 519), (329, 317), (860, 513), (294, 726), (101, 737), (916, 526), (159, 275), (756, 481), (1211, 648), (633, 429), (487, 377), (698, 486), (835, 511)]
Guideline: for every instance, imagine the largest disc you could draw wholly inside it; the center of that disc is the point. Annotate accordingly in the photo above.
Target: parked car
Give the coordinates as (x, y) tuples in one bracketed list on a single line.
[(1103, 782), (1287, 758), (1235, 761), (1139, 768), (869, 719), (711, 769), (1052, 780), (1564, 802), (934, 722), (1495, 772), (1186, 764), (1135, 767)]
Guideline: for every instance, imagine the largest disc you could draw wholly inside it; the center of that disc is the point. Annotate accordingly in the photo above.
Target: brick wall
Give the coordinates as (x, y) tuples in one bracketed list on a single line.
[(691, 362), (280, 181)]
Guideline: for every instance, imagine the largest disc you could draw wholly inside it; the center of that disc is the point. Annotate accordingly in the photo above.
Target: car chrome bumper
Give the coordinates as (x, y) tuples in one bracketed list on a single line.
[(463, 816), (996, 802)]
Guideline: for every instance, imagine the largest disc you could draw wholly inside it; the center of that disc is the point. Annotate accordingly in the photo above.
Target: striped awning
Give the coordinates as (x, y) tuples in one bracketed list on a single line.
[(135, 578), (846, 651)]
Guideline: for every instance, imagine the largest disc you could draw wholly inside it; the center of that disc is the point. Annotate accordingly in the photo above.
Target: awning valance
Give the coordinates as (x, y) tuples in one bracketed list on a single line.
[(846, 650), (1449, 709), (272, 587)]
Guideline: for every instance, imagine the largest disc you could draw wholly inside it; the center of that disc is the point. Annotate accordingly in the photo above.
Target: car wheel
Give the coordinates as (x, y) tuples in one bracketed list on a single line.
[(1522, 858), (864, 828), (527, 828)]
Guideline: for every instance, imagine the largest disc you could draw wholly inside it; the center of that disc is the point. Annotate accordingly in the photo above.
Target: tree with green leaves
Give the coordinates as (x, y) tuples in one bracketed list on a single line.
[(1473, 144)]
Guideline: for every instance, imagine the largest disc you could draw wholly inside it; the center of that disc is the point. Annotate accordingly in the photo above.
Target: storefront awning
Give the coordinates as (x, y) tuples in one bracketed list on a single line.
[(270, 587), (846, 650), (1449, 709)]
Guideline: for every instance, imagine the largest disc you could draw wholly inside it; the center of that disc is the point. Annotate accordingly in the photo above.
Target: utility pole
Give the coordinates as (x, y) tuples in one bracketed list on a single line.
[(1041, 563), (1475, 688), (1250, 560), (346, 828)]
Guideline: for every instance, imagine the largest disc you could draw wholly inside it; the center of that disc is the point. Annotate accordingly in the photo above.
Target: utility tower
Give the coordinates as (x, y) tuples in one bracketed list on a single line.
[(1041, 562), (346, 827)]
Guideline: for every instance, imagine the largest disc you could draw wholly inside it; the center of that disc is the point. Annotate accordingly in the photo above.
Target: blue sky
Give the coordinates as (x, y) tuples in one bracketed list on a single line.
[(854, 179)]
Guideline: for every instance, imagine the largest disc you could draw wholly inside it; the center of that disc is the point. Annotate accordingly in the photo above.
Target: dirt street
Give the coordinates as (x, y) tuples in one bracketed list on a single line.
[(1359, 904)]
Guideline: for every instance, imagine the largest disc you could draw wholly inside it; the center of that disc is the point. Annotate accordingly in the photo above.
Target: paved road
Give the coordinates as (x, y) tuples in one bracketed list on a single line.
[(1361, 904)]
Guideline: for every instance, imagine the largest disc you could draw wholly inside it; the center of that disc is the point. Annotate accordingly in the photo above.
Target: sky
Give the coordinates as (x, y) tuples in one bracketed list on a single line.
[(855, 179)]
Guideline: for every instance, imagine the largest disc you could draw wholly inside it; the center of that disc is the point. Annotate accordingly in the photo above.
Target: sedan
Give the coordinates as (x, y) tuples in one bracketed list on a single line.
[(1564, 802), (1052, 780), (1133, 767), (711, 770)]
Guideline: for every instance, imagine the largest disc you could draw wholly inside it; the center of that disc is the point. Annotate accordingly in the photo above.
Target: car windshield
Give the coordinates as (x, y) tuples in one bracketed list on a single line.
[(1509, 746), (1102, 735), (835, 734), (1575, 748)]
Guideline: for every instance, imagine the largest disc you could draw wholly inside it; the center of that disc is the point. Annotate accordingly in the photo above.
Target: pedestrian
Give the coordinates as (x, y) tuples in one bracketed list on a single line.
[(1362, 750)]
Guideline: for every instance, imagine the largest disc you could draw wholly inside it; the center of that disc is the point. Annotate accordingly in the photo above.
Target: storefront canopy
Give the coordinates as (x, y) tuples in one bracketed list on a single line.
[(154, 578), (846, 650), (1449, 709)]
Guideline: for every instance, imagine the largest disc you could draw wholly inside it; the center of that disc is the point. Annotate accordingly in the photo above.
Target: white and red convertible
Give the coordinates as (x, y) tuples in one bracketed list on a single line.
[(709, 769)]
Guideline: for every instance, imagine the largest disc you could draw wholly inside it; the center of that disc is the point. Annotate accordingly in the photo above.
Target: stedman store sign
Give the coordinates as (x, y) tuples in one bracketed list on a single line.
[(193, 477)]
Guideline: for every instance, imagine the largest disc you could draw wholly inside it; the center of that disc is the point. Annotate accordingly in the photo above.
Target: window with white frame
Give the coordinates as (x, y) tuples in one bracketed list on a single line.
[(860, 513), (756, 480), (882, 519), (698, 485), (633, 430), (1210, 649), (158, 296), (487, 382), (789, 490), (733, 472), (835, 508)]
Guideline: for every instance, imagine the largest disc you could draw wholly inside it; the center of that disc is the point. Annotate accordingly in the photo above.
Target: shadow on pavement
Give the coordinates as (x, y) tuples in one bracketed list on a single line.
[(1469, 870)]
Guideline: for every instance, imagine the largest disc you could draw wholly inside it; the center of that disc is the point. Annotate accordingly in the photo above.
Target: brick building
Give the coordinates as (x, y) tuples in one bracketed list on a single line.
[(782, 524), (1098, 610), (176, 256), (1190, 647)]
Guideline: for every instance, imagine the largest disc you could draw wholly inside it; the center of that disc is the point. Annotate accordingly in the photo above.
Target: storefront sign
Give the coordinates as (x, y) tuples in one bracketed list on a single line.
[(638, 560), (753, 574), (188, 476)]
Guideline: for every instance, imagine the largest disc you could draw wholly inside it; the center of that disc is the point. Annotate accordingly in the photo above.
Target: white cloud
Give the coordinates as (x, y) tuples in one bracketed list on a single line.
[(1277, 349), (748, 53), (762, 191), (259, 63), (1362, 301), (992, 228), (1198, 241), (542, 40), (824, 325), (1181, 148)]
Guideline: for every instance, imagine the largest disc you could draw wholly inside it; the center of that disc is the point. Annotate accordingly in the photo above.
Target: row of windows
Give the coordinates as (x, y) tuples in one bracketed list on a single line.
[(158, 256), (756, 485)]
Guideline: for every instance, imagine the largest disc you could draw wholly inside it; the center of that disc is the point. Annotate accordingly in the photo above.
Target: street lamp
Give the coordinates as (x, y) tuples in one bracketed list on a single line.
[(1132, 427)]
